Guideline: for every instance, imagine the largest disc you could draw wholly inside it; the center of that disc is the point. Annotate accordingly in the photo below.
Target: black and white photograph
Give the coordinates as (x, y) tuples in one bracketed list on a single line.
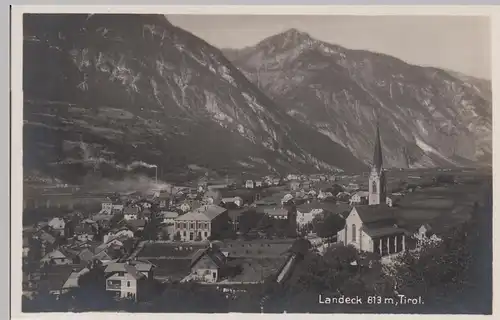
[(256, 163)]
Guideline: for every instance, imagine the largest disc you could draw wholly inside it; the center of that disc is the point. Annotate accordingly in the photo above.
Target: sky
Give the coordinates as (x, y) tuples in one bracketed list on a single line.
[(458, 43)]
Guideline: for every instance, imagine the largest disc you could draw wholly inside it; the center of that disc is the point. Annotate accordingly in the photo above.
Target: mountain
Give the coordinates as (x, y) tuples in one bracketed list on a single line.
[(428, 117), (107, 94)]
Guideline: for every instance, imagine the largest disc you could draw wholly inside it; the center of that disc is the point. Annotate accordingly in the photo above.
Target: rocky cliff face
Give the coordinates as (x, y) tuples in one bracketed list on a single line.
[(428, 117), (110, 93)]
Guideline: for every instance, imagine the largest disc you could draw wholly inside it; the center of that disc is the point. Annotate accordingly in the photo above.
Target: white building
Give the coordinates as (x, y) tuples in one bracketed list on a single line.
[(249, 184), (360, 197)]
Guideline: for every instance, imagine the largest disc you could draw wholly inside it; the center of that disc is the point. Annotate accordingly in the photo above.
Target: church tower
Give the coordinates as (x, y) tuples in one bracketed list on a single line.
[(377, 183)]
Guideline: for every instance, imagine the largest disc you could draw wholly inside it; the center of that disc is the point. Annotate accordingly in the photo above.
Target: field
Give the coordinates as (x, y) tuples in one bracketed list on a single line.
[(159, 250), (440, 207)]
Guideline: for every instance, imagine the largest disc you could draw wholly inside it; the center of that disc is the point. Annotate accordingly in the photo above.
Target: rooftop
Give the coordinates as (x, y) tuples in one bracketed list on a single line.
[(375, 213), (203, 213)]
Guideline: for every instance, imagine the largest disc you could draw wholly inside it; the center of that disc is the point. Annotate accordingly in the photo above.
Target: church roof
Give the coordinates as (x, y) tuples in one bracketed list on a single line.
[(377, 154), (375, 213)]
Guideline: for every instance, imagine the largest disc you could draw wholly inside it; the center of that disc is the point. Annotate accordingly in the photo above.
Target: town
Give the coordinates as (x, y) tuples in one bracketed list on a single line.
[(227, 234)]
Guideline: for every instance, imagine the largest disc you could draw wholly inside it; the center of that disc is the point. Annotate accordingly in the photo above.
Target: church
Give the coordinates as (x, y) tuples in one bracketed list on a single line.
[(374, 227)]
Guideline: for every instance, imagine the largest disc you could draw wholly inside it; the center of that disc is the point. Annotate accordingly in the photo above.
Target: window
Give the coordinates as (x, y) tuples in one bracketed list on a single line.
[(128, 283), (206, 234), (374, 186), (184, 233), (353, 233)]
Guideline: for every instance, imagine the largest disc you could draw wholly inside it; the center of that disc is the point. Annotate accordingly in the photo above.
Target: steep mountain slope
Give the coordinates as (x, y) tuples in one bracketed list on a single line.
[(120, 91), (428, 117)]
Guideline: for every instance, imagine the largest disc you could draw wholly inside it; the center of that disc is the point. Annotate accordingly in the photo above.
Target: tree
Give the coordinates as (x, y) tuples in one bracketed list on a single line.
[(327, 225), (177, 236), (164, 234)]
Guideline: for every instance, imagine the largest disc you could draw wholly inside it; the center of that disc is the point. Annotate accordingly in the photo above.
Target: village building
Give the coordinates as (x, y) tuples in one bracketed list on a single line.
[(212, 196), (294, 185), (128, 280), (238, 201), (277, 213), (56, 257), (168, 217), (324, 195), (249, 184), (121, 233), (201, 223), (359, 198), (286, 198), (57, 225), (258, 184), (307, 212), (208, 265)]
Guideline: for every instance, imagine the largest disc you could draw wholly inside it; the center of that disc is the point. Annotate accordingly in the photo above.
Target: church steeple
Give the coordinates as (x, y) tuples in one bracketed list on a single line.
[(377, 154), (377, 183)]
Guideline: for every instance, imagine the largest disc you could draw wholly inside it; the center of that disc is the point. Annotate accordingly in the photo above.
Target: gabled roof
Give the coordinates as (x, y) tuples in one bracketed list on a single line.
[(203, 213), (375, 213), (169, 214), (131, 269), (56, 254), (213, 253)]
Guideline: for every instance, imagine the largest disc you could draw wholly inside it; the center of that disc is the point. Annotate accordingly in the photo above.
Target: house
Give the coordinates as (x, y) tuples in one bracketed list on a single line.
[(122, 233), (57, 224), (351, 187), (168, 217), (117, 208), (106, 207), (238, 201), (292, 177), (360, 197), (307, 212), (208, 265), (201, 223), (249, 184), (126, 280), (373, 229), (258, 184), (84, 232), (276, 213), (212, 196), (393, 200), (286, 198), (294, 185), (324, 195), (276, 182), (56, 257), (423, 232), (164, 200)]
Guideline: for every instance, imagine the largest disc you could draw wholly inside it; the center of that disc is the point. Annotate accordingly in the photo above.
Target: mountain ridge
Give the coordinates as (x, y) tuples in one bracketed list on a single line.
[(344, 89), (104, 91)]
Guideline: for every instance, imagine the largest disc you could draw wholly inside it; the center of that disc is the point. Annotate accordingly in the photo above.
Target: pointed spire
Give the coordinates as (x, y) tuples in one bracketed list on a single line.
[(377, 154)]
